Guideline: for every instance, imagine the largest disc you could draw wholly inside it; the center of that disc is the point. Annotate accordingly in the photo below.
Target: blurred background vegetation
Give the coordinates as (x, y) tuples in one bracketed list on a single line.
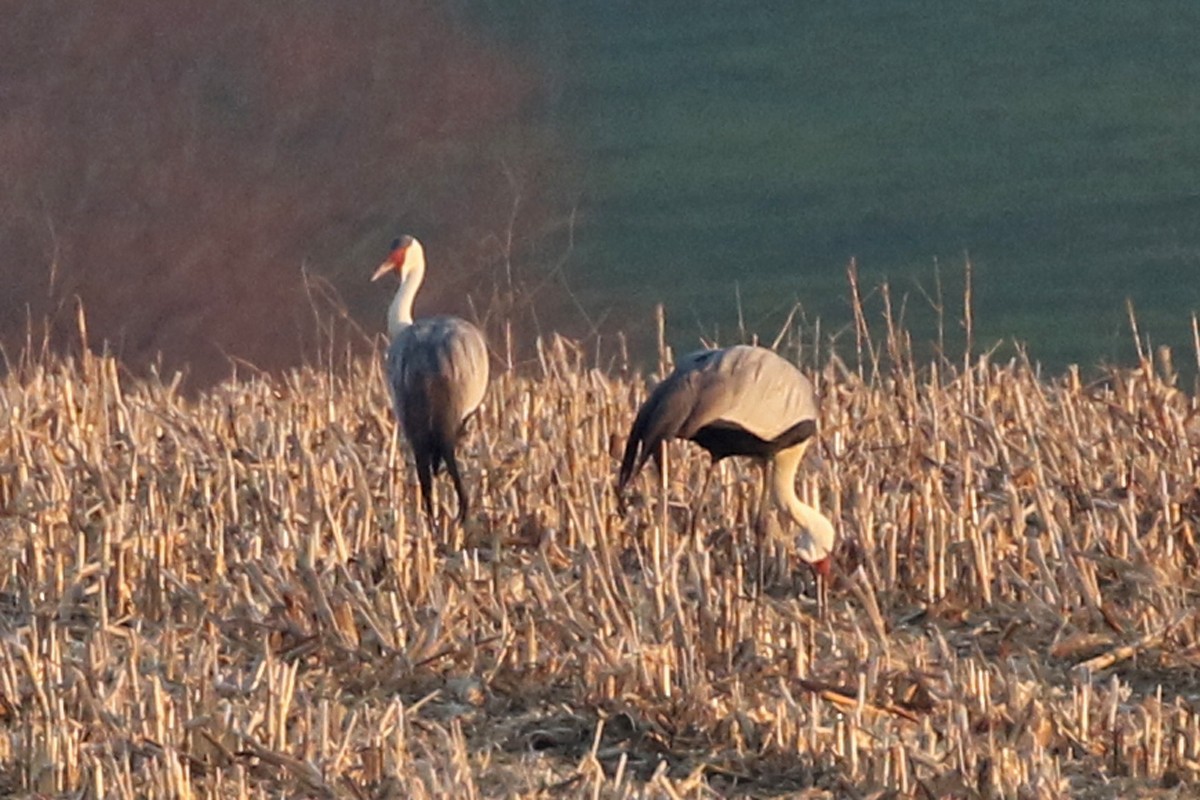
[(187, 170)]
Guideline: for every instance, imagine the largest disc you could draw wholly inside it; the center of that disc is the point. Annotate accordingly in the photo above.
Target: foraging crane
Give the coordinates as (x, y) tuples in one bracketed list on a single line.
[(437, 371), (739, 401)]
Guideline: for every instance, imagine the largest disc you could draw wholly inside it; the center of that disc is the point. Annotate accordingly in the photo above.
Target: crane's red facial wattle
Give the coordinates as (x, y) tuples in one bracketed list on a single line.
[(393, 263), (824, 567)]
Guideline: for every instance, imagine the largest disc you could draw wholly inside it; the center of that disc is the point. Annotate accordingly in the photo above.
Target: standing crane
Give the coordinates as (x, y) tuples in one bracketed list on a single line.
[(739, 401), (437, 371)]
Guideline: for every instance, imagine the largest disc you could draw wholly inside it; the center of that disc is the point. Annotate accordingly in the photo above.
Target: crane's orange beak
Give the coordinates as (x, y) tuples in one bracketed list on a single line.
[(384, 269)]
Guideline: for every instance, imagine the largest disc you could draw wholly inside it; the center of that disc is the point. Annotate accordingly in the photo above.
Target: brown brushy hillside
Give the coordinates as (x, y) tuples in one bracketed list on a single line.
[(177, 165), (234, 595)]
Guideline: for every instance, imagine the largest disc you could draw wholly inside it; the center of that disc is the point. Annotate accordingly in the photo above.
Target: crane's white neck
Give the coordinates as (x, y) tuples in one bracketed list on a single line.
[(815, 541), (412, 272)]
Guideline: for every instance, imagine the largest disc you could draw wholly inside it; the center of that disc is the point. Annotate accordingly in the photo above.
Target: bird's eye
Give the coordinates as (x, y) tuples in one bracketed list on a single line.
[(395, 244)]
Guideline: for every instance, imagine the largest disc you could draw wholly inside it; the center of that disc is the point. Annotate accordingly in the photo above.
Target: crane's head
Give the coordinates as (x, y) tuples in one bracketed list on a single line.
[(815, 543), (405, 255)]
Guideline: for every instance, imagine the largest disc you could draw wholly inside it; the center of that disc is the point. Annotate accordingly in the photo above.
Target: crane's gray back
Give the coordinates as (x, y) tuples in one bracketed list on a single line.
[(446, 347), (752, 387)]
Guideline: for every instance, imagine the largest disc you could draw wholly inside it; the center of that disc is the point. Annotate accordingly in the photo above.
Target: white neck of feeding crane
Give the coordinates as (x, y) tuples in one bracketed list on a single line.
[(816, 538)]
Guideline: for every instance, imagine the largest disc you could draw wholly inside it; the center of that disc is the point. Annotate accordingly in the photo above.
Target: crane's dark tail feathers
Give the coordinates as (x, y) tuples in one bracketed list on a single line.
[(425, 477), (653, 425), (633, 459), (432, 423)]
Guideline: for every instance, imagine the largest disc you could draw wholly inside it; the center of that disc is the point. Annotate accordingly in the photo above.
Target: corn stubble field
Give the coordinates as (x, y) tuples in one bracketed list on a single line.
[(233, 595)]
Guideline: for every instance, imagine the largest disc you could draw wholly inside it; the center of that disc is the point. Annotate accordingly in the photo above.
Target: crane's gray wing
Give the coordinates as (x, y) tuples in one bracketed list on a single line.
[(749, 389), (752, 388), (446, 351)]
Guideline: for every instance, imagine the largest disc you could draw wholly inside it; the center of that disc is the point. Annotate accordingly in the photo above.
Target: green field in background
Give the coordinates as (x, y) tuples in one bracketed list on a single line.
[(764, 145)]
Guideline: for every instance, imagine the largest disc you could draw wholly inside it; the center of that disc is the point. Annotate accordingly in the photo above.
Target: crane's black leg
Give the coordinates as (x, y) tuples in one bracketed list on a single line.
[(698, 506), (425, 477), (464, 500), (760, 521)]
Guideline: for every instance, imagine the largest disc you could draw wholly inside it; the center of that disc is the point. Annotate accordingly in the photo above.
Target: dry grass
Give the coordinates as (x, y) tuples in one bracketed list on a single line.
[(234, 596)]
